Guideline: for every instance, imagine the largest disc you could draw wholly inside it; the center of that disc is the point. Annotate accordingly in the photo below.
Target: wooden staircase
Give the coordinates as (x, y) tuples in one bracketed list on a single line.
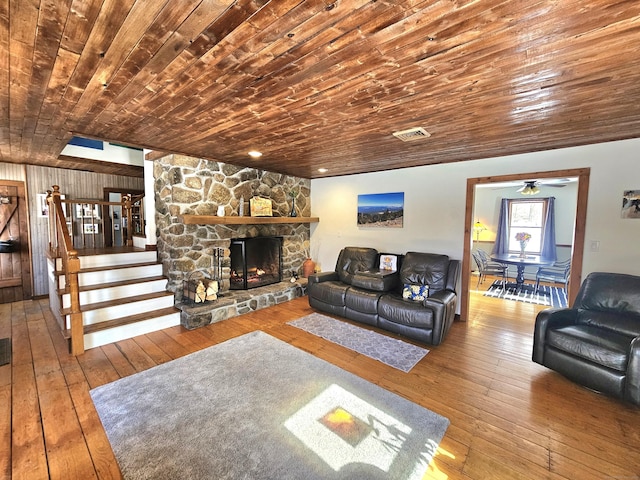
[(122, 295)]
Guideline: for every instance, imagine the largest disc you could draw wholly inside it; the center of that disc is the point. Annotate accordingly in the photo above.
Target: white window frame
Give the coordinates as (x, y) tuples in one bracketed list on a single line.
[(533, 247)]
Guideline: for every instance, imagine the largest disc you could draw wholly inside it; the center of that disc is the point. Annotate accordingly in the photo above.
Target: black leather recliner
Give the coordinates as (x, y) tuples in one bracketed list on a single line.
[(327, 290), (596, 343), (429, 320)]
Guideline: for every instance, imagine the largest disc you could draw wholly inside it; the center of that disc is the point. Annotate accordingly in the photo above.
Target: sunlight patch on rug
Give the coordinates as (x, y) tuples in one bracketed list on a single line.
[(390, 351)]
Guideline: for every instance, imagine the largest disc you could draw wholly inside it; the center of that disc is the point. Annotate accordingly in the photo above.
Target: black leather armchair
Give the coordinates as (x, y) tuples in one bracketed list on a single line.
[(596, 343)]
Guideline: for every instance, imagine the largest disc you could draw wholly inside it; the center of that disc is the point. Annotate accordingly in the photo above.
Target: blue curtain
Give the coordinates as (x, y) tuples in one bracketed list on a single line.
[(502, 242), (548, 235)]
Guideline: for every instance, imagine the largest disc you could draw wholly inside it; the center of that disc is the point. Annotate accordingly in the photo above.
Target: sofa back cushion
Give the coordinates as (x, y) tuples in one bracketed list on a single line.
[(610, 300), (355, 259), (425, 269)]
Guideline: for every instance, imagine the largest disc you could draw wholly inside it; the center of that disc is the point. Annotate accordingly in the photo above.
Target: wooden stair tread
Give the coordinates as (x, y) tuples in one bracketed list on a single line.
[(112, 267), (98, 286), (119, 301), (139, 317)]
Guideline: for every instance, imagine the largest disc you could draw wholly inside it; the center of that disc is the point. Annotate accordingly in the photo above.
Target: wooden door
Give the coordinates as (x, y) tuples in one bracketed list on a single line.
[(15, 263)]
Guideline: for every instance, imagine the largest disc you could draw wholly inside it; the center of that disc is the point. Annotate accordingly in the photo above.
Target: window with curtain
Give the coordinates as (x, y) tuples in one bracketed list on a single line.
[(529, 216)]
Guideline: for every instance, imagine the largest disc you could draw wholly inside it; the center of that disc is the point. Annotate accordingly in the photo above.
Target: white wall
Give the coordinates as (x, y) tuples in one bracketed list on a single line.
[(435, 199)]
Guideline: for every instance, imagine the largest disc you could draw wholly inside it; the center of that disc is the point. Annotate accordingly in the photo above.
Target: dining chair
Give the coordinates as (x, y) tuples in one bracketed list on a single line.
[(487, 259), (559, 272), (489, 268)]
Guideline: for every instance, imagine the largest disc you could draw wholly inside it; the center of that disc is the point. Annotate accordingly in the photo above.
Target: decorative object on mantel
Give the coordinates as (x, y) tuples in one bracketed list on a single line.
[(293, 194), (241, 207), (523, 238), (220, 211), (260, 207)]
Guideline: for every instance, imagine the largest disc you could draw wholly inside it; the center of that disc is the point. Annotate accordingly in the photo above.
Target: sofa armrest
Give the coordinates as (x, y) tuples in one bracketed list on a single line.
[(439, 299), (548, 318), (322, 277), (441, 303), (632, 389)]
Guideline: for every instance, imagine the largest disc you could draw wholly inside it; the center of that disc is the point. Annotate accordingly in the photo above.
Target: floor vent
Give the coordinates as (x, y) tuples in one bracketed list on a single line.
[(413, 134)]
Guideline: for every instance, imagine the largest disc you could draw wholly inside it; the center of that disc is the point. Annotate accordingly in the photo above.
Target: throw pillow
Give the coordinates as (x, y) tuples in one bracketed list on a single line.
[(417, 293), (388, 262)]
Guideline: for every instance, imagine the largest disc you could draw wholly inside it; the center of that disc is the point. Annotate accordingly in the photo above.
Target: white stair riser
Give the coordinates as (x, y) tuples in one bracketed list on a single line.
[(114, 293), (117, 275), (96, 261), (124, 310), (97, 339)]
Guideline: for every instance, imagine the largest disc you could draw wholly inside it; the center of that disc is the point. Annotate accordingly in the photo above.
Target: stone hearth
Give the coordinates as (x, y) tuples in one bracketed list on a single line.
[(238, 302)]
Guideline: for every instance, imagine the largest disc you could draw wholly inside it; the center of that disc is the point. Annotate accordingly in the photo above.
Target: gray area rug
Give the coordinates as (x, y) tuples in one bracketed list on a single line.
[(552, 296), (5, 351), (255, 407), (391, 351)]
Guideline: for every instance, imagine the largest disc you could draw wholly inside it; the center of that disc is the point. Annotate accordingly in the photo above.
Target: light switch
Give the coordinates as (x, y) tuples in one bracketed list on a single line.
[(595, 245)]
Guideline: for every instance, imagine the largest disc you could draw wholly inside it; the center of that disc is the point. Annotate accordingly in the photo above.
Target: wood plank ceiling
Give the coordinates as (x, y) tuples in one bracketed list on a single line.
[(317, 83)]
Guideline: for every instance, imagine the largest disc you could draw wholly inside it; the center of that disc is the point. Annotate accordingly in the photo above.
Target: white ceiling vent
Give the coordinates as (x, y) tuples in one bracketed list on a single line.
[(413, 134)]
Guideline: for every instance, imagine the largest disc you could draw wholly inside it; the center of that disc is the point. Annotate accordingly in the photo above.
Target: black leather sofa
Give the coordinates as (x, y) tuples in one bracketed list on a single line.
[(596, 343), (359, 291)]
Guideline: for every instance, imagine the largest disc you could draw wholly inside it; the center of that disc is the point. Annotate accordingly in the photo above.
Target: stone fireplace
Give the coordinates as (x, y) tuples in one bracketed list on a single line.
[(255, 262), (194, 186)]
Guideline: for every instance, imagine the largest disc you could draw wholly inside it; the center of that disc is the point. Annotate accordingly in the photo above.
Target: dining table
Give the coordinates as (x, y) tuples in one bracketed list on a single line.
[(521, 262)]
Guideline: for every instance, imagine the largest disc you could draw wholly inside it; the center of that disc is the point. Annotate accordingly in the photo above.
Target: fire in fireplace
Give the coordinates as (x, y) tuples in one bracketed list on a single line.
[(255, 262)]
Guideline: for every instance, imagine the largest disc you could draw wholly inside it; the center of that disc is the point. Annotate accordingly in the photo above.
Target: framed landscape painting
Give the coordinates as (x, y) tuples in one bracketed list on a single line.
[(381, 210)]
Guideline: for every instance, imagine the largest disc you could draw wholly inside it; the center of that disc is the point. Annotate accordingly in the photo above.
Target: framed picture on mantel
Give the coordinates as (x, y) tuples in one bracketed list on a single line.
[(260, 207)]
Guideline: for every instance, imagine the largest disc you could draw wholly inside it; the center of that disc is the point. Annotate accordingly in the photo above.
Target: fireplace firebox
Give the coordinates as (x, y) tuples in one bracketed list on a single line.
[(255, 262)]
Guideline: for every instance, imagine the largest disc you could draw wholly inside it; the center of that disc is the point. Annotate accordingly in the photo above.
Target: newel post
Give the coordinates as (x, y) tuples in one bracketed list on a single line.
[(77, 327), (126, 206)]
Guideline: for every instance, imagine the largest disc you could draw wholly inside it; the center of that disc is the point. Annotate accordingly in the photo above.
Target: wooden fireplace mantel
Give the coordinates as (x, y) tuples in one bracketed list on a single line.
[(234, 220)]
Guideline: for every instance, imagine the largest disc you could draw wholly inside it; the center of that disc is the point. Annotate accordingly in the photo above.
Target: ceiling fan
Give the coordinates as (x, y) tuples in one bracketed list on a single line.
[(530, 187)]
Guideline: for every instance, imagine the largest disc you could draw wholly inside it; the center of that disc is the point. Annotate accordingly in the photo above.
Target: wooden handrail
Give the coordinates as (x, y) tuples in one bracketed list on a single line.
[(71, 266)]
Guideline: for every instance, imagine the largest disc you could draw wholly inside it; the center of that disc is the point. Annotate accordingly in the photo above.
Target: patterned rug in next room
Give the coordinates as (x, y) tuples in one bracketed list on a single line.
[(391, 351), (552, 296)]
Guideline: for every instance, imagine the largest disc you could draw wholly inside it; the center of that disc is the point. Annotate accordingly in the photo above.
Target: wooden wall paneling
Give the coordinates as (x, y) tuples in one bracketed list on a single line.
[(12, 171)]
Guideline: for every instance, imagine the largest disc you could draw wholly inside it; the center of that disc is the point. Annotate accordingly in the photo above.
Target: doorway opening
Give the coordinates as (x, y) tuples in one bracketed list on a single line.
[(577, 244)]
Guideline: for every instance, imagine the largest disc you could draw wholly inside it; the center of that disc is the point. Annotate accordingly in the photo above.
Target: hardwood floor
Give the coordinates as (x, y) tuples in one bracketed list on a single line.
[(510, 418)]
